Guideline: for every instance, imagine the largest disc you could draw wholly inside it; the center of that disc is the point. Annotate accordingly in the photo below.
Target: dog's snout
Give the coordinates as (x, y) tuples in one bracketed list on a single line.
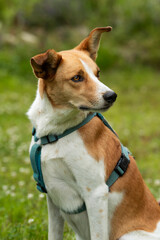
[(110, 96)]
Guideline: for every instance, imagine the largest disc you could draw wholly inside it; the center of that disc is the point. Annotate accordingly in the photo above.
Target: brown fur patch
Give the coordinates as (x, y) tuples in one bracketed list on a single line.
[(101, 210), (91, 43), (101, 143), (97, 235), (138, 210), (88, 189), (45, 64), (62, 91)]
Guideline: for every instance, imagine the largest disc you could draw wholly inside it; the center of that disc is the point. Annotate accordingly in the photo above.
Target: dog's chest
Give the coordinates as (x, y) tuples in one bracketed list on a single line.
[(69, 171)]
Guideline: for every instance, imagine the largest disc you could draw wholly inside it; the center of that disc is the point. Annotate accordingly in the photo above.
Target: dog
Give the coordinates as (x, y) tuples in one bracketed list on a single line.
[(75, 168)]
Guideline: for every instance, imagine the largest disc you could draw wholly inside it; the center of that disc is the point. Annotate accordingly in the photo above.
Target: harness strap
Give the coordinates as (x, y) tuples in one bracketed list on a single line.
[(53, 138), (35, 156), (120, 168), (105, 122)]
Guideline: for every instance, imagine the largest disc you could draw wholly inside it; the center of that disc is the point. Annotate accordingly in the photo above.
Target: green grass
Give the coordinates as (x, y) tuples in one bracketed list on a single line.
[(135, 117)]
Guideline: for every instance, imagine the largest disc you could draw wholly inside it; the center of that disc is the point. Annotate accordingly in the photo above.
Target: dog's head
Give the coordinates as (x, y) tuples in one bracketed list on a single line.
[(71, 78)]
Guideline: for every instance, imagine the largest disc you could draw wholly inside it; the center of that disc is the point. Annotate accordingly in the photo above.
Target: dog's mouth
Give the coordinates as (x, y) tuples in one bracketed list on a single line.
[(103, 109)]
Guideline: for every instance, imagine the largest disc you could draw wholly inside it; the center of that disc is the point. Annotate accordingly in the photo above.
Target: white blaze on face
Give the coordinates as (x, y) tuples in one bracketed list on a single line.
[(101, 88)]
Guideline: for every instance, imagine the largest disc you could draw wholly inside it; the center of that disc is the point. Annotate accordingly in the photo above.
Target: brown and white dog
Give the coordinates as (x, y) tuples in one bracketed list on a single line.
[(76, 167)]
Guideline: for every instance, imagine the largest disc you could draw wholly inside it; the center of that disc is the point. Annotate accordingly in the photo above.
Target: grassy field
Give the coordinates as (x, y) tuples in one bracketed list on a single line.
[(135, 117)]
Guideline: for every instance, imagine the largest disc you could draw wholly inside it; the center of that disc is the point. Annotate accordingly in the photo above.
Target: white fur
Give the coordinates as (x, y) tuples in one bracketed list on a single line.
[(114, 200), (142, 235), (101, 88), (68, 174), (54, 121)]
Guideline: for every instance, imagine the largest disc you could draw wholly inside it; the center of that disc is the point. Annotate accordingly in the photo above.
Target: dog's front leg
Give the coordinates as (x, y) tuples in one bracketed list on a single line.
[(56, 222), (97, 209)]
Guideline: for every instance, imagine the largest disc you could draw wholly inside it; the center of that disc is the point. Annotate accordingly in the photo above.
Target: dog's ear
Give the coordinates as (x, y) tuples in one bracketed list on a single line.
[(91, 43), (45, 65)]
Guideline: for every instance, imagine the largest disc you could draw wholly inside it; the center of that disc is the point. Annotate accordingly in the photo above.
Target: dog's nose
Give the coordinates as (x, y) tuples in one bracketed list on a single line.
[(110, 96)]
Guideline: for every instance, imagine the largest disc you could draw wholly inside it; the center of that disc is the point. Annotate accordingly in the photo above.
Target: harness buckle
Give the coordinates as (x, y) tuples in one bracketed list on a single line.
[(52, 138), (122, 165), (49, 139)]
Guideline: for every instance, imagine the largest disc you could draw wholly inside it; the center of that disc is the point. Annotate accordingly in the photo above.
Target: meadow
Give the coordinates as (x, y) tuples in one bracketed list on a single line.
[(135, 117), (129, 62)]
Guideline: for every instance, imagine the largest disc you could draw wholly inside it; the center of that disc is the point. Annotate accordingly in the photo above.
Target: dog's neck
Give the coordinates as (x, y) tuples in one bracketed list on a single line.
[(51, 120)]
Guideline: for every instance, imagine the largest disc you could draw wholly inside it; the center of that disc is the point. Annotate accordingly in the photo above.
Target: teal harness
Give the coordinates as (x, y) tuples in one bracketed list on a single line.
[(35, 157)]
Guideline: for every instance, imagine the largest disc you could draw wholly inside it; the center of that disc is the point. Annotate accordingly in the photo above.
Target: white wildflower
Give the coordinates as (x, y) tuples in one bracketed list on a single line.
[(41, 195), (3, 169), (8, 192), (30, 220), (13, 174), (24, 170), (30, 195), (27, 160), (13, 194), (13, 187), (157, 182), (21, 183), (4, 187)]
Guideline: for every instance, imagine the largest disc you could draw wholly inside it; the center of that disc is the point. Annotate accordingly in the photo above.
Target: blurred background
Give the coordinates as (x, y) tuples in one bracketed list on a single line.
[(129, 58)]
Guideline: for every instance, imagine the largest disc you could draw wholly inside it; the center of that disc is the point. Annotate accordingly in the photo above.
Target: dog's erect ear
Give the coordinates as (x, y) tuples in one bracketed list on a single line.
[(45, 64), (91, 43)]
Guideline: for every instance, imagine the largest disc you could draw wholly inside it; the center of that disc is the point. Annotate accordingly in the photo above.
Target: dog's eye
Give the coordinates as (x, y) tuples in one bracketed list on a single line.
[(98, 73), (77, 78)]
